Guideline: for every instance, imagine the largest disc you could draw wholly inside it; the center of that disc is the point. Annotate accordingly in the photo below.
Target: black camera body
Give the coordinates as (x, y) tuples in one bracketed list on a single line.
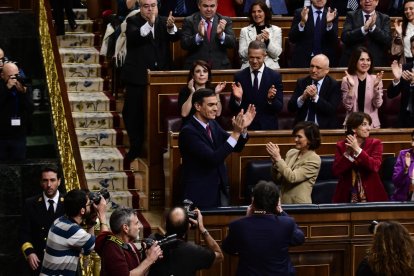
[(22, 80), (188, 206), (163, 242), (95, 197), (371, 227)]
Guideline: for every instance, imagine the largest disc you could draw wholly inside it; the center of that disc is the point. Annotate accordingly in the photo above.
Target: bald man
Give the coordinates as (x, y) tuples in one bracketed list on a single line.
[(316, 97), (186, 258), (16, 107)]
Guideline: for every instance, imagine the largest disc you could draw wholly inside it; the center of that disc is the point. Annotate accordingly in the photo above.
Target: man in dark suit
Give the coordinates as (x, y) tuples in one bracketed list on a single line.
[(404, 83), (207, 35), (38, 215), (369, 28), (204, 146), (317, 96), (314, 31), (260, 86), (148, 47), (187, 7), (262, 238)]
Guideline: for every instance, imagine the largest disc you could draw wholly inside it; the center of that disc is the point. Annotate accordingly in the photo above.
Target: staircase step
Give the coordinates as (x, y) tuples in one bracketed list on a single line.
[(86, 55), (84, 84), (96, 137), (81, 70), (84, 26), (89, 102), (122, 198), (101, 159), (81, 14), (113, 181), (76, 40), (93, 120)]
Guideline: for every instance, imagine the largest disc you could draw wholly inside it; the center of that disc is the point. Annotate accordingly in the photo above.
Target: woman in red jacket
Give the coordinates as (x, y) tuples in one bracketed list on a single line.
[(357, 162)]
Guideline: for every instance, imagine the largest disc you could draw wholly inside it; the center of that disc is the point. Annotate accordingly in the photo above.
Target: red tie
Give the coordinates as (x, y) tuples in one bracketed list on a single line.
[(209, 30), (209, 132)]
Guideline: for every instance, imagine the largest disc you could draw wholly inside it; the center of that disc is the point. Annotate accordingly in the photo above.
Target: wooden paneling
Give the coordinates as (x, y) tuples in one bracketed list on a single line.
[(15, 5)]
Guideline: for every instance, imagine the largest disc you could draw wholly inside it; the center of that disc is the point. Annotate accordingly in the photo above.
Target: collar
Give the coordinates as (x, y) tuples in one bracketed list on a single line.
[(261, 69), (211, 20), (320, 82), (204, 125), (118, 241), (314, 9), (365, 13), (55, 198)]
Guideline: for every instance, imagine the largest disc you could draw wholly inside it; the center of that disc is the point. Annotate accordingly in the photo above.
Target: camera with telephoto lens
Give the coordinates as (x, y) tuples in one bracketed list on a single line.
[(371, 227), (188, 206), (95, 197), (23, 80), (163, 242)]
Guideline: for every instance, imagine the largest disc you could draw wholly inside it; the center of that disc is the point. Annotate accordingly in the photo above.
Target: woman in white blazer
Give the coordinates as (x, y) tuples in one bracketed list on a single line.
[(260, 29)]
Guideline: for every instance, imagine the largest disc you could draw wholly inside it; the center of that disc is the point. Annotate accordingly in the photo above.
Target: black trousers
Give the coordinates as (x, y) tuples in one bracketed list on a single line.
[(60, 8), (133, 114)]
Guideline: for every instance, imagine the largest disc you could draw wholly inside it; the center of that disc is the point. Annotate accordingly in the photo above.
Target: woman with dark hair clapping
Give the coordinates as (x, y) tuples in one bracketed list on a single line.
[(298, 172), (358, 159)]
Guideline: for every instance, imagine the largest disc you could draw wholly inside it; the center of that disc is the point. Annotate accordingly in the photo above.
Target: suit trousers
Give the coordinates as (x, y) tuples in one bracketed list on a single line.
[(133, 114)]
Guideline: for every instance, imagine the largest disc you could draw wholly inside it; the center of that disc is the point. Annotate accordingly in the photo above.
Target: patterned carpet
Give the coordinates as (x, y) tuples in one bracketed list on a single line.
[(97, 121)]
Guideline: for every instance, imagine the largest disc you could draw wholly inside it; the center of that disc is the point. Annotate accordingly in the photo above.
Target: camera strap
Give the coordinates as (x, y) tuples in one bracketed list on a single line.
[(118, 241)]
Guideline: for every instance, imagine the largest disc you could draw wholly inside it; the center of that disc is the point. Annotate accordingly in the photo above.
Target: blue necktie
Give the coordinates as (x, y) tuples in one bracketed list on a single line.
[(256, 81), (180, 8), (317, 34), (311, 109), (279, 7)]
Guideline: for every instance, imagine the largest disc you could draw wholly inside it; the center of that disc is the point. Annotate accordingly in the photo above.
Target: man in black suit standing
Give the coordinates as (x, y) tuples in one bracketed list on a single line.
[(403, 83), (148, 36), (204, 146), (317, 96), (370, 28), (207, 35), (179, 8), (314, 31), (260, 86), (38, 215)]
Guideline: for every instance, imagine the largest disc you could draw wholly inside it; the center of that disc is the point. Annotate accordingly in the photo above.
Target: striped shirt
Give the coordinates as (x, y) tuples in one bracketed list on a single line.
[(65, 241)]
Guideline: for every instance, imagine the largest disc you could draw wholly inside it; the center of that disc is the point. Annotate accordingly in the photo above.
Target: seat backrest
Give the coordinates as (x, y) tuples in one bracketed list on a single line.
[(323, 191), (387, 169), (256, 170), (325, 173)]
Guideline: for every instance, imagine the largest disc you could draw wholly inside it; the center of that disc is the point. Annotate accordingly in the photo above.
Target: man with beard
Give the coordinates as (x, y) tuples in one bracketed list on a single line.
[(119, 255), (67, 238), (39, 213)]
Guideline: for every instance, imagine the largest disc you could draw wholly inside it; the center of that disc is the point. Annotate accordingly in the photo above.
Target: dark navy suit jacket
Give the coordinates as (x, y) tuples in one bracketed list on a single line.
[(303, 41), (204, 173), (262, 243), (325, 109), (266, 113), (404, 88)]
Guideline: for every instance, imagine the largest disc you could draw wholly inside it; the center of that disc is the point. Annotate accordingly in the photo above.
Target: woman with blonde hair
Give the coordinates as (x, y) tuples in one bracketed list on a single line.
[(391, 252)]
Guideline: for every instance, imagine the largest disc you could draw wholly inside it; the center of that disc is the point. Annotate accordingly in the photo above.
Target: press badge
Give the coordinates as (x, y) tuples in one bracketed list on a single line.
[(15, 122)]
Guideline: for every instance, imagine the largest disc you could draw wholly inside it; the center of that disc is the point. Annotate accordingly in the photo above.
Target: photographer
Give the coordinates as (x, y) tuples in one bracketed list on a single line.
[(16, 108), (67, 239), (262, 238), (185, 258), (119, 255)]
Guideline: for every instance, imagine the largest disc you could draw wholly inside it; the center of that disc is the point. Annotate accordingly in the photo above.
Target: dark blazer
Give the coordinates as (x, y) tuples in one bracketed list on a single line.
[(325, 108), (378, 42), (262, 243), (36, 223), (368, 164), (203, 171), (170, 5), (403, 87), (266, 114), (213, 51), (303, 41), (147, 52)]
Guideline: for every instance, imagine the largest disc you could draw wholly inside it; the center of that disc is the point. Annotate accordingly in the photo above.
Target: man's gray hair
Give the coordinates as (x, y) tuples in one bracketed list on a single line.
[(256, 44), (120, 217)]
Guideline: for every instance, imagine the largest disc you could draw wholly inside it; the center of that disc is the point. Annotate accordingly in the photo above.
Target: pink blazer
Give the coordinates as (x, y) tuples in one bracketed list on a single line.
[(373, 99)]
